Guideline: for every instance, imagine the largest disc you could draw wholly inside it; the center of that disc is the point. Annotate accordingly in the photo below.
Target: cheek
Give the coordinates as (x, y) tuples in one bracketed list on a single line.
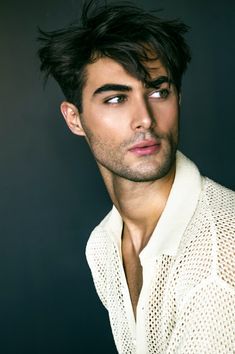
[(167, 117), (109, 124)]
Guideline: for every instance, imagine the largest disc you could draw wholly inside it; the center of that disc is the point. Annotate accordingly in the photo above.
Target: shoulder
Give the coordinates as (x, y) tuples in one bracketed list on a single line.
[(97, 242), (207, 249), (97, 258), (221, 204), (218, 196)]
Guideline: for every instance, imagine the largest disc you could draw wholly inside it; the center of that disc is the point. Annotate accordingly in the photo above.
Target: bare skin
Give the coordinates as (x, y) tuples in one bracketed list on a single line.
[(140, 213), (136, 234), (114, 121)]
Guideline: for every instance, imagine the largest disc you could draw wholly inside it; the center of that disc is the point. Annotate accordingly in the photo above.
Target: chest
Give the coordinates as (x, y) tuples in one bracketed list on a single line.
[(134, 275), (147, 289)]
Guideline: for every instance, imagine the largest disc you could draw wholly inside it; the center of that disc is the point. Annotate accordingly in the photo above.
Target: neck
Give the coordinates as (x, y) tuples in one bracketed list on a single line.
[(139, 210)]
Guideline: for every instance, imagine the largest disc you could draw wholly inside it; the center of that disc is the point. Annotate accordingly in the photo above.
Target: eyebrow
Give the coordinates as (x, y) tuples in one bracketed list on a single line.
[(112, 87), (157, 82), (125, 88)]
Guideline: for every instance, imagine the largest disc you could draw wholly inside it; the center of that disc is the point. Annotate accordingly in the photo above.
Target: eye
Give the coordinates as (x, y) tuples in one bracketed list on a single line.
[(163, 93), (116, 99)]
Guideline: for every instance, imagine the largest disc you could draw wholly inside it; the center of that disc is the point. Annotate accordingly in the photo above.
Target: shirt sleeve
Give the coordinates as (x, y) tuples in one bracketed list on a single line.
[(96, 255), (206, 321)]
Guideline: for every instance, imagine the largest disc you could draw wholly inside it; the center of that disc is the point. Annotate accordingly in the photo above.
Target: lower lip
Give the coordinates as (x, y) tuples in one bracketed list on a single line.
[(145, 150)]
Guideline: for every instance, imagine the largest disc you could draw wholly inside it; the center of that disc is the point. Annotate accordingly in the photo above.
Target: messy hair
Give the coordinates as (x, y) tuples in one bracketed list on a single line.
[(125, 33)]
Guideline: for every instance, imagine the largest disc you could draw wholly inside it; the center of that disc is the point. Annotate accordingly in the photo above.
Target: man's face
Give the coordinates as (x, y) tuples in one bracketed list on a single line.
[(131, 128)]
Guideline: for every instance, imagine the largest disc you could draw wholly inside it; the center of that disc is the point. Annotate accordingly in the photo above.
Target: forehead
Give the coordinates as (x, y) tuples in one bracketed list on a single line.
[(106, 70)]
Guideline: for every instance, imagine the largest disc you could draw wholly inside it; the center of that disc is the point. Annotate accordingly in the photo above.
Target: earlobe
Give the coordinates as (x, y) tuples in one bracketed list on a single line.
[(72, 117)]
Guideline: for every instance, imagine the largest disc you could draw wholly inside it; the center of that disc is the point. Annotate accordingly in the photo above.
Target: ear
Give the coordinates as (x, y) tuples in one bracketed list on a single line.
[(72, 117)]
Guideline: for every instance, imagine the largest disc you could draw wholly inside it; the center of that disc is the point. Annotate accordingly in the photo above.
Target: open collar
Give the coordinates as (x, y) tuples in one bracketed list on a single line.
[(179, 209)]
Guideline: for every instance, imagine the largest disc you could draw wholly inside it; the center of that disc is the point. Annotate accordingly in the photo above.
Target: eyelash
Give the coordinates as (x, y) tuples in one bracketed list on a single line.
[(164, 93), (123, 98)]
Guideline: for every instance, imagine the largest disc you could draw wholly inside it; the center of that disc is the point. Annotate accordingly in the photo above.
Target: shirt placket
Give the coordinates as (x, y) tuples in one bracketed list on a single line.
[(148, 269)]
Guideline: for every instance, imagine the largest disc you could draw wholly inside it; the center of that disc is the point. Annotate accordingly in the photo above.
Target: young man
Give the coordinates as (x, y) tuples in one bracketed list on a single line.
[(162, 259)]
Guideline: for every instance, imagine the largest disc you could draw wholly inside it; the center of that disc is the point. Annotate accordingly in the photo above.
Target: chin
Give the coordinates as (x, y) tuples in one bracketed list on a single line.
[(142, 174)]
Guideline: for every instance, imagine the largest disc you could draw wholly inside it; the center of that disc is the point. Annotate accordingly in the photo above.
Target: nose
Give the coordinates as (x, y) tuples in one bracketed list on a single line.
[(143, 118)]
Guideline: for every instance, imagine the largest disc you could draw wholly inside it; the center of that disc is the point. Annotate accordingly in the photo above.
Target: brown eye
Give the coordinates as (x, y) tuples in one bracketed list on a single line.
[(164, 93), (116, 99)]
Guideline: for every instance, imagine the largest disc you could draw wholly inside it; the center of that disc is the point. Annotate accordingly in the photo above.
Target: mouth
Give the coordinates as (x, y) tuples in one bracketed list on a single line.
[(145, 147)]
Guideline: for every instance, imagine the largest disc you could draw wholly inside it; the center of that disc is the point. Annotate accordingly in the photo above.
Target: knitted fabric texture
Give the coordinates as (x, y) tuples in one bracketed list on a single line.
[(190, 303)]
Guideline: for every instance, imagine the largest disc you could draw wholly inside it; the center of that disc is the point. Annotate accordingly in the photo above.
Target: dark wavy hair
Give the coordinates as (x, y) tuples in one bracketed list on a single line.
[(126, 33)]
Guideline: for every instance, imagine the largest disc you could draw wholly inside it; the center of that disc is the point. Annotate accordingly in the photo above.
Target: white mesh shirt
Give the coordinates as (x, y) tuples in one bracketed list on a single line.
[(187, 302)]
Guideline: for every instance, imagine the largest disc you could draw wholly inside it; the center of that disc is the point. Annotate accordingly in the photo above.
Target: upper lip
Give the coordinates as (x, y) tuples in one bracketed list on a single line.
[(145, 143)]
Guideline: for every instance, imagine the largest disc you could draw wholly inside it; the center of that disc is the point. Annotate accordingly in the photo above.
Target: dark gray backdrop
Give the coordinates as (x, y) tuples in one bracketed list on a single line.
[(51, 193)]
